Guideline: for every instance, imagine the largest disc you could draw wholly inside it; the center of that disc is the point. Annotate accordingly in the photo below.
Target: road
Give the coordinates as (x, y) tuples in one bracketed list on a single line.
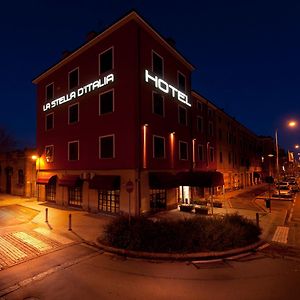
[(58, 268)]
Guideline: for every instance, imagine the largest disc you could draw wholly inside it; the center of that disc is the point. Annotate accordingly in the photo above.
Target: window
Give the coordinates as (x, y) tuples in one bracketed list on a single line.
[(211, 154), (181, 82), (158, 199), (221, 157), (220, 134), (20, 177), (50, 189), (210, 129), (49, 91), (106, 102), (157, 64), (183, 150), (200, 152), (109, 201), (209, 111), (50, 121), (73, 150), (107, 146), (158, 147), (182, 115), (199, 105), (106, 61), (49, 150), (199, 124), (74, 113), (75, 196), (158, 104), (74, 79)]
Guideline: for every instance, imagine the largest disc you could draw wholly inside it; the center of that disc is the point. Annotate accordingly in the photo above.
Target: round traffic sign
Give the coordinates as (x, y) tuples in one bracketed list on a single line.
[(129, 186)]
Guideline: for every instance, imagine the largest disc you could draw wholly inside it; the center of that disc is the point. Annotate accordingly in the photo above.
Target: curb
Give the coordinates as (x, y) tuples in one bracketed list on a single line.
[(181, 256)]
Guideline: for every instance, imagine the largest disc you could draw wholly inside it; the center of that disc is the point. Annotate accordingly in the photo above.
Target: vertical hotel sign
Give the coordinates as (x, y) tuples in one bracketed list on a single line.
[(95, 85), (167, 88)]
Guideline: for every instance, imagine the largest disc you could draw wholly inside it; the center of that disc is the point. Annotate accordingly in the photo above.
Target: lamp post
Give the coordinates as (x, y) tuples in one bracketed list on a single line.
[(277, 154)]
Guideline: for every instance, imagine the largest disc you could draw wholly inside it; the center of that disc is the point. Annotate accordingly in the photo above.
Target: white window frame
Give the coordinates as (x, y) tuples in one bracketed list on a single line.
[(52, 113), (163, 62), (47, 146), (114, 146), (153, 148), (202, 151), (75, 141), (113, 58), (77, 68), (178, 72), (186, 115), (113, 100), (77, 103), (187, 150), (47, 100), (163, 99)]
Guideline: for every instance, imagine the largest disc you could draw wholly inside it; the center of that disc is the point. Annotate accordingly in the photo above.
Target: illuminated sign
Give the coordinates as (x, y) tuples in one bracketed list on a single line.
[(167, 88), (97, 84)]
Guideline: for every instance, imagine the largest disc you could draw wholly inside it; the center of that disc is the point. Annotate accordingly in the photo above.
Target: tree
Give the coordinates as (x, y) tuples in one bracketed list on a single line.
[(7, 143)]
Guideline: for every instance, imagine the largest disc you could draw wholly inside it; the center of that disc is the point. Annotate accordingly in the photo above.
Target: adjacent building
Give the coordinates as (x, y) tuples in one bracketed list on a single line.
[(119, 128)]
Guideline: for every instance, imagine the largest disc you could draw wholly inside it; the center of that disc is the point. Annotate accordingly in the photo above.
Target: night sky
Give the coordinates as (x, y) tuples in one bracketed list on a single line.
[(246, 54)]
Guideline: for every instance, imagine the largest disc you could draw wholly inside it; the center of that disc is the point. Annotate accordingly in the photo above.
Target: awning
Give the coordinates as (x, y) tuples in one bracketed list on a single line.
[(45, 178), (105, 182), (70, 180), (162, 180), (200, 179)]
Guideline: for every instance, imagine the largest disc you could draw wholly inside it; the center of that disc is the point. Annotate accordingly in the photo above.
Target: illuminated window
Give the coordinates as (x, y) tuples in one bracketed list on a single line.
[(183, 150), (181, 82), (49, 121), (73, 152), (199, 124), (157, 64), (109, 201), (75, 196), (200, 152), (107, 146), (74, 113), (211, 154), (158, 147), (106, 61), (74, 79), (158, 104), (49, 91), (106, 102), (182, 115), (49, 153)]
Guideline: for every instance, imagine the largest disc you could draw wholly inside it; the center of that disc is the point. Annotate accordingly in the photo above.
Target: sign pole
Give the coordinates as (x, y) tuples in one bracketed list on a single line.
[(129, 189)]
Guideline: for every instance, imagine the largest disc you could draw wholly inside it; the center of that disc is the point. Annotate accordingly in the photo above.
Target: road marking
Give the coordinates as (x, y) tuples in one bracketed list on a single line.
[(53, 236), (30, 240), (10, 250), (281, 234)]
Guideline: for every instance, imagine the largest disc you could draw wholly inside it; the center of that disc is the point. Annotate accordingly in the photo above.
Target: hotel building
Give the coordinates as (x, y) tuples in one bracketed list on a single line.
[(120, 130)]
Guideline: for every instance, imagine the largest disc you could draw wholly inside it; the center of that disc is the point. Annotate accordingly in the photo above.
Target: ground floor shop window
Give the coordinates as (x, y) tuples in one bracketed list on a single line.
[(109, 201), (158, 199), (75, 196), (51, 191)]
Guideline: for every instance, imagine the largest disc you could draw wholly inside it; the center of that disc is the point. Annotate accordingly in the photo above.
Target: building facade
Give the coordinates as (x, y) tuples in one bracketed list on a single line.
[(119, 128)]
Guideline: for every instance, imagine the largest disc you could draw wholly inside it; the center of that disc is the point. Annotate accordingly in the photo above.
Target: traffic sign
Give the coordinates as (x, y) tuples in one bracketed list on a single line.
[(129, 186)]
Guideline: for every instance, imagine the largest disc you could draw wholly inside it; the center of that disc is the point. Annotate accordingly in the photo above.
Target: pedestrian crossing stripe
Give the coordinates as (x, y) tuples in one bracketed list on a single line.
[(49, 234), (11, 251), (32, 241)]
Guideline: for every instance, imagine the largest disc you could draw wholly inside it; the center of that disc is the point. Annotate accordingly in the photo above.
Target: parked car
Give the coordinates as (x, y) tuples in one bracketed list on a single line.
[(283, 192), (294, 186)]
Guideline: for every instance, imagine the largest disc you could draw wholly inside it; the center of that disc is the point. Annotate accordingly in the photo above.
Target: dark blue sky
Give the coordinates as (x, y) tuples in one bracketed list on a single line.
[(246, 54)]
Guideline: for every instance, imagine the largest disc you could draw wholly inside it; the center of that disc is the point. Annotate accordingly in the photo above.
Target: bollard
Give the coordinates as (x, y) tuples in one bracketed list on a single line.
[(257, 219), (70, 222), (46, 220)]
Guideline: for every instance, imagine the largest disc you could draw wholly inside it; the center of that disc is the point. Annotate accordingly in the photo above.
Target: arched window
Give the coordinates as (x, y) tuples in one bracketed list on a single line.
[(20, 177)]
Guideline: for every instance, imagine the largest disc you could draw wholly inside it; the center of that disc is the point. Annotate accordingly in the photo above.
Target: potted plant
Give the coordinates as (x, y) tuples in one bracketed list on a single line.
[(186, 207), (217, 204), (201, 209)]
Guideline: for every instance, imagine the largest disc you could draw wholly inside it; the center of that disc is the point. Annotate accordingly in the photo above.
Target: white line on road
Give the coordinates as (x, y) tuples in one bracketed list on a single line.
[(281, 234)]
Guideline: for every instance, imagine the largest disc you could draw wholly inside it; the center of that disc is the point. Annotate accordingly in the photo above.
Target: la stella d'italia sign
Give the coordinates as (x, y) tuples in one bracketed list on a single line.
[(167, 88), (95, 85)]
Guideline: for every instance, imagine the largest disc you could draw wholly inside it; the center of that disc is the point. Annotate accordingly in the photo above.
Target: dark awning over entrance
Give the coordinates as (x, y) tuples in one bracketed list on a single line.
[(200, 179), (70, 180), (45, 178), (162, 180), (256, 175), (105, 182)]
